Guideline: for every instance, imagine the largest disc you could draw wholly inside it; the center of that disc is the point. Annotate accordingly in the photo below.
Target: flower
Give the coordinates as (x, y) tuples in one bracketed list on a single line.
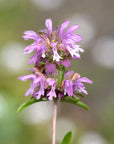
[(44, 86), (39, 84), (35, 82), (74, 83), (31, 77), (65, 63), (68, 87), (54, 43), (51, 93), (51, 68), (79, 86), (54, 48)]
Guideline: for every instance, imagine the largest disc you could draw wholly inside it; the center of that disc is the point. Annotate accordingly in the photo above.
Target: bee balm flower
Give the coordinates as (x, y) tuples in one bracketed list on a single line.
[(54, 43)]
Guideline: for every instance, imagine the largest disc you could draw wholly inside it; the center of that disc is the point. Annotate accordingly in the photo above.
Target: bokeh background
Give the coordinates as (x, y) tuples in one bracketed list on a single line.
[(33, 124)]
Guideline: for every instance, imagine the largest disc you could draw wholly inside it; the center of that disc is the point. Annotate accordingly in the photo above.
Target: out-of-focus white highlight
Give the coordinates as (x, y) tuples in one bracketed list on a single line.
[(48, 4), (92, 138), (38, 113), (63, 126), (87, 27), (103, 52), (12, 57)]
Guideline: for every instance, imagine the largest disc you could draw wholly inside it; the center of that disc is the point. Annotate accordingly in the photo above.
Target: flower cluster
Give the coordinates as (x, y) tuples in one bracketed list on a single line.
[(54, 48), (54, 44)]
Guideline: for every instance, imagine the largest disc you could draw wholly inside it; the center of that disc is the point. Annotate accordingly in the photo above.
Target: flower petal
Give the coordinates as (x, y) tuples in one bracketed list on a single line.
[(48, 24), (66, 63), (56, 56), (62, 28), (25, 77), (30, 35), (68, 74), (68, 87), (51, 68), (84, 79), (71, 30)]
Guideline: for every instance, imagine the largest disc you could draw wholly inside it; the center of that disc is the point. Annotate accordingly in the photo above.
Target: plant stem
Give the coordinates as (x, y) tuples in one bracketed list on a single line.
[(54, 122)]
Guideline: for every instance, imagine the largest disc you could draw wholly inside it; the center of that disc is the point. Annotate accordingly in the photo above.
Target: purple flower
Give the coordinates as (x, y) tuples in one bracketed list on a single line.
[(30, 35), (68, 87), (65, 62), (39, 82), (56, 56), (48, 24), (38, 45), (74, 83), (79, 86), (62, 29), (51, 93), (51, 68), (35, 82), (68, 75), (53, 47), (69, 39), (31, 77), (38, 86), (55, 44)]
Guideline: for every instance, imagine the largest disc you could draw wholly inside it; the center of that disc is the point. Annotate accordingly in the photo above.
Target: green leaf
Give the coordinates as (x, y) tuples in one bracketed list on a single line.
[(61, 72), (76, 101), (70, 99), (31, 101), (81, 104), (67, 138)]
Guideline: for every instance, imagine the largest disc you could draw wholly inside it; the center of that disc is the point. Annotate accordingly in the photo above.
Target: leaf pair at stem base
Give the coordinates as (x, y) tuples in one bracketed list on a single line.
[(66, 99)]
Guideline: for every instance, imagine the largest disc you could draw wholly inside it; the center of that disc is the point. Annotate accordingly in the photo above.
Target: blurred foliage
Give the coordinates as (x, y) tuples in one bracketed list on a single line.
[(20, 15)]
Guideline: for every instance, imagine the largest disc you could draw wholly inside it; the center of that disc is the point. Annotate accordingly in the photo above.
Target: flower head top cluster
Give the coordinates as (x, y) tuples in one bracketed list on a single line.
[(55, 44), (54, 48)]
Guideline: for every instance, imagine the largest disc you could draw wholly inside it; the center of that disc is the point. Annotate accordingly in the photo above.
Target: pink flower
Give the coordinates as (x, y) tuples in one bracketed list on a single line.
[(74, 83), (51, 93), (54, 43)]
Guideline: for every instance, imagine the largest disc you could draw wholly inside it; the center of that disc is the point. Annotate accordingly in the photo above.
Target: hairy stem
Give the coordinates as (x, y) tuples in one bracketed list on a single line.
[(54, 122)]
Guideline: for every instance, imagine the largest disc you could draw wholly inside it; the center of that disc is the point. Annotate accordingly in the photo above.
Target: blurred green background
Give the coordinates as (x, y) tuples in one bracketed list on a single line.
[(33, 125)]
